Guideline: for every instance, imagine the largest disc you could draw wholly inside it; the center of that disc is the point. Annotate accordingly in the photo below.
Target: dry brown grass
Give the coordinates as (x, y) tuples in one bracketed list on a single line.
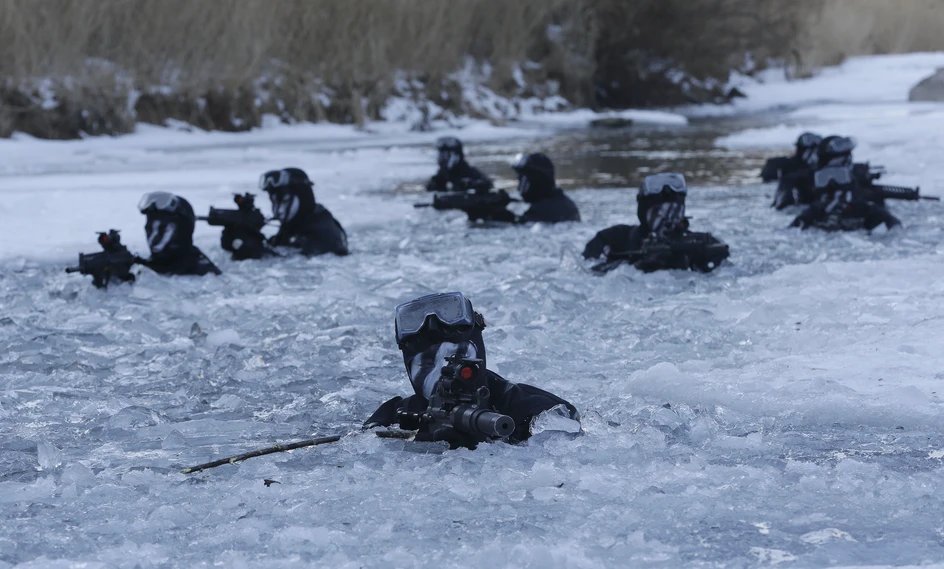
[(837, 29), (229, 42), (208, 61)]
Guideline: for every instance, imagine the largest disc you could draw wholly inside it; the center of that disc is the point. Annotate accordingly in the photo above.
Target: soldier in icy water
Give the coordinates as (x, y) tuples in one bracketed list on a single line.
[(169, 228), (794, 174), (305, 224), (845, 195), (455, 174), (662, 239), (538, 188), (456, 399)]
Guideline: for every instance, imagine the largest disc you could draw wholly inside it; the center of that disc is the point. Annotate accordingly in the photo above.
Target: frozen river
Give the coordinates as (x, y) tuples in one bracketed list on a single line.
[(783, 410)]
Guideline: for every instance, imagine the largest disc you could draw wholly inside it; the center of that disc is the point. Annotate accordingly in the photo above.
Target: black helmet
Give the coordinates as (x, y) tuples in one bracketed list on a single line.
[(807, 145), (535, 175), (835, 150), (808, 140), (274, 180), (450, 143), (290, 192), (450, 153), (170, 223)]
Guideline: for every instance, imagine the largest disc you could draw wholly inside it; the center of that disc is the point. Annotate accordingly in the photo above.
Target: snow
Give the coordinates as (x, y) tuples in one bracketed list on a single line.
[(864, 80), (784, 410), (866, 98)]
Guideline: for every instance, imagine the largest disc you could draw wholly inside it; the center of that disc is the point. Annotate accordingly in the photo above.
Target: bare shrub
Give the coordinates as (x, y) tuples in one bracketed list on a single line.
[(223, 63)]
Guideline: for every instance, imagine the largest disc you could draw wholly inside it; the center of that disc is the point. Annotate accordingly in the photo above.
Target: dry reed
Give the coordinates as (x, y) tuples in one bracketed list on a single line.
[(221, 63)]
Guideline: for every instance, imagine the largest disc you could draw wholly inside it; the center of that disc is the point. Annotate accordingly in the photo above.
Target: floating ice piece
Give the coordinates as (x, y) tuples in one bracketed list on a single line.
[(174, 440), (221, 337), (555, 419), (772, 556), (49, 455), (78, 474), (826, 535)]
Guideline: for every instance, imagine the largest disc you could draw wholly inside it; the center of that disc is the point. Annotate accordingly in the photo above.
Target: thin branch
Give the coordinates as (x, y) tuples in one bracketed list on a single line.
[(390, 434)]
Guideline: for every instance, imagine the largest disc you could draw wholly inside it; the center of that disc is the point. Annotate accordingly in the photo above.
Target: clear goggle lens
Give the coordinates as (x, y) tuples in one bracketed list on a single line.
[(274, 179), (654, 184), (450, 309), (160, 201), (839, 175)]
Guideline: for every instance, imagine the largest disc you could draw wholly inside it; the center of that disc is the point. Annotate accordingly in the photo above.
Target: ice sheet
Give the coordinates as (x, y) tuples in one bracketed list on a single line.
[(782, 410)]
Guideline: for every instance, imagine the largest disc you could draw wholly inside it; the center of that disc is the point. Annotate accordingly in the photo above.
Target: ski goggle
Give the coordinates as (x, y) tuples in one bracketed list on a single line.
[(451, 309), (159, 201), (654, 184), (274, 179), (839, 175), (281, 178)]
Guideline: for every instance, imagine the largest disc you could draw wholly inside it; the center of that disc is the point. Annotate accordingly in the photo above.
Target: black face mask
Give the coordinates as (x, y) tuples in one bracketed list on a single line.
[(448, 159), (167, 234), (424, 360), (425, 367), (524, 185), (661, 213), (285, 205)]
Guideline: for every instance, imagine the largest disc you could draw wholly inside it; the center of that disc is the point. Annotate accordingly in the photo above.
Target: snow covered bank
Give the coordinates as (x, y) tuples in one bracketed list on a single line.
[(874, 79), (866, 98)]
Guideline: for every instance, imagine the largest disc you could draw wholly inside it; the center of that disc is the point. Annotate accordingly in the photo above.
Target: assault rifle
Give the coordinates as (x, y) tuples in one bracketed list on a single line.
[(477, 203), (459, 411), (114, 262), (246, 217), (701, 252), (244, 223)]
